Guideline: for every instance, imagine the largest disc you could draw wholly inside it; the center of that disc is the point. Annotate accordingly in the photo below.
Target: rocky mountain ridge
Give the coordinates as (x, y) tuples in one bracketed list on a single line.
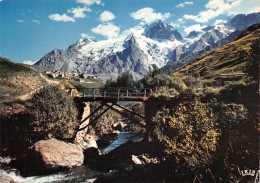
[(153, 46), (237, 59)]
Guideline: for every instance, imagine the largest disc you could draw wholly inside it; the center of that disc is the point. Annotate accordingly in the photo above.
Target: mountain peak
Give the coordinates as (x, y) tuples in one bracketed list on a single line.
[(156, 44), (241, 21), (161, 31), (194, 34)]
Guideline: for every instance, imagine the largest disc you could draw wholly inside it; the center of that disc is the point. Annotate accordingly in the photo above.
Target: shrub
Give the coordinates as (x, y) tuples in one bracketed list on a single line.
[(54, 112), (103, 125), (188, 132), (14, 120)]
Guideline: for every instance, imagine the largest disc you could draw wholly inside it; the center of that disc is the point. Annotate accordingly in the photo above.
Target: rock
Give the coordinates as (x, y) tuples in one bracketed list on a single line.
[(149, 160), (89, 142), (84, 108), (5, 160), (91, 180), (116, 132), (120, 157), (111, 176), (58, 154), (118, 126), (91, 155), (137, 161), (90, 147), (4, 179)]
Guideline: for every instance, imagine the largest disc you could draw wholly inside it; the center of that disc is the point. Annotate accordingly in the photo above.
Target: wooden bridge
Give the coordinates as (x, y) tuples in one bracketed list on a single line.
[(116, 94), (109, 97)]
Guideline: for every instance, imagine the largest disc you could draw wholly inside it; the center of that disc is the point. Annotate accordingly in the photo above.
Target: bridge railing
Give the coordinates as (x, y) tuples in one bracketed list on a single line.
[(116, 92)]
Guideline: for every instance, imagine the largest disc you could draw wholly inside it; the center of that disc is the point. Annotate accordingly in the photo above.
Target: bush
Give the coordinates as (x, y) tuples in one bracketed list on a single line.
[(14, 121), (188, 132), (55, 114), (238, 149), (103, 125)]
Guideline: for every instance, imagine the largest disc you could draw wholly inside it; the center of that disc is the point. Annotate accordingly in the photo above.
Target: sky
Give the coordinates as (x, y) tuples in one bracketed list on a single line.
[(29, 29)]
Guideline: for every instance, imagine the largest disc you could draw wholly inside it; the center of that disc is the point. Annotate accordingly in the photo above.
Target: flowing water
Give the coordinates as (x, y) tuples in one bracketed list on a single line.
[(79, 174), (123, 137)]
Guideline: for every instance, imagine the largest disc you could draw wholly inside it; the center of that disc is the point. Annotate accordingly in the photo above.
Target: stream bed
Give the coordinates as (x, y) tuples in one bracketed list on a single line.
[(83, 173)]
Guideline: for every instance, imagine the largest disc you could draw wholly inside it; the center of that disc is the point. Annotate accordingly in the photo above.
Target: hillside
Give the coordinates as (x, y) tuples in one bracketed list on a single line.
[(17, 80), (240, 56)]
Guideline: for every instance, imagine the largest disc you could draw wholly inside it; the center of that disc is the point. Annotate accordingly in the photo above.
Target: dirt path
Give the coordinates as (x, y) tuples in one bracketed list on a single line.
[(27, 96), (49, 81)]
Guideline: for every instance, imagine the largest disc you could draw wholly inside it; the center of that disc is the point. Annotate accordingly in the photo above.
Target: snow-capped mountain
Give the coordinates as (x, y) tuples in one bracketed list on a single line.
[(144, 49), (161, 32)]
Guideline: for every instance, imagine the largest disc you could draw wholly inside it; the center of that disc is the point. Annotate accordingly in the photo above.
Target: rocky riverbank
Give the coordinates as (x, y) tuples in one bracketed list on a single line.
[(52, 157)]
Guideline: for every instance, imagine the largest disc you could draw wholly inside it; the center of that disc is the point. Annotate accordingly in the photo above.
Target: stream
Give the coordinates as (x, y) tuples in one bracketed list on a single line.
[(83, 173)]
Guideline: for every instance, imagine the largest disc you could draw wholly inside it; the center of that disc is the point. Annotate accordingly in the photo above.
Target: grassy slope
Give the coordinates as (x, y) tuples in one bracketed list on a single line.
[(234, 57), (16, 79)]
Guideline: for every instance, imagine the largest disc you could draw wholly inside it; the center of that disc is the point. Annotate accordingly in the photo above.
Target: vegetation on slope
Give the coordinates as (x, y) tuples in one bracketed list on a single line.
[(241, 56), (16, 79), (51, 113), (202, 134)]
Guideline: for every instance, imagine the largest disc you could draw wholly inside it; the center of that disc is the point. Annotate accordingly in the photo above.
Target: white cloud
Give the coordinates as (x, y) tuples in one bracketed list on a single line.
[(137, 29), (89, 2), (217, 22), (189, 2), (179, 22), (20, 21), (175, 24), (245, 7), (147, 15), (106, 16), (1, 0), (196, 27), (215, 8), (36, 21), (29, 62), (79, 12), (110, 30), (85, 35), (182, 5), (61, 18)]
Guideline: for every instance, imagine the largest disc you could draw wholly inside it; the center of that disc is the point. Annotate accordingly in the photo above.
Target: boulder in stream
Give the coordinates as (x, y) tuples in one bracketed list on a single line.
[(136, 160), (91, 151), (57, 154), (89, 142), (118, 126)]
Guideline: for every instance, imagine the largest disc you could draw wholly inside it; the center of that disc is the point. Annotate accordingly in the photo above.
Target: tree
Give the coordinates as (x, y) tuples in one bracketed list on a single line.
[(124, 80), (55, 114)]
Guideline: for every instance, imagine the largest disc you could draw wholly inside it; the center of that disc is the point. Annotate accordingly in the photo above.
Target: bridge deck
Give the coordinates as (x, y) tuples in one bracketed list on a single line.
[(115, 94)]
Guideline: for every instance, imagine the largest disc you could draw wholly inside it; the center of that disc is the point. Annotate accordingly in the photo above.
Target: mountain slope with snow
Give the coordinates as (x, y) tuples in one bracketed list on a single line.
[(153, 46)]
